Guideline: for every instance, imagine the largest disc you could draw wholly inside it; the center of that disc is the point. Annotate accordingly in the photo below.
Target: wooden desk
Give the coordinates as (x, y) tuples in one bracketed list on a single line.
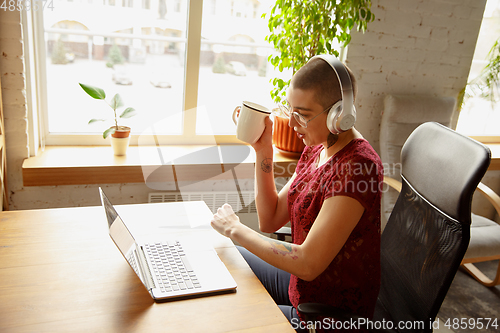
[(61, 272)]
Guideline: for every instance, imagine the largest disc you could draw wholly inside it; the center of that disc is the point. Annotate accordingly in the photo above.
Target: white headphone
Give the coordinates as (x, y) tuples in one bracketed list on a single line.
[(342, 115)]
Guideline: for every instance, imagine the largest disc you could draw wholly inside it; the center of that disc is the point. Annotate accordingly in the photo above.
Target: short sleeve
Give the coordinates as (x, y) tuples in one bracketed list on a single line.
[(357, 177)]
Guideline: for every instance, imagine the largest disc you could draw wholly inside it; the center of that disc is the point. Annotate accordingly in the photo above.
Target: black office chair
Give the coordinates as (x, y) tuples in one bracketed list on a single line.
[(428, 231)]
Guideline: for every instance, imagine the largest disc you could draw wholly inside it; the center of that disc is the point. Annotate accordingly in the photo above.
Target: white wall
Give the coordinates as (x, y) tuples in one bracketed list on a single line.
[(413, 46)]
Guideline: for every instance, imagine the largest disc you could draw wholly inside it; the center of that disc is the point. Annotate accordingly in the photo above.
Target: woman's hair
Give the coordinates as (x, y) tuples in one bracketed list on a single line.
[(319, 76)]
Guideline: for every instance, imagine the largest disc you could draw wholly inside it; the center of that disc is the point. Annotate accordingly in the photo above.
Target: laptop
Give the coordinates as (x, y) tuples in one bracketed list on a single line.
[(166, 268)]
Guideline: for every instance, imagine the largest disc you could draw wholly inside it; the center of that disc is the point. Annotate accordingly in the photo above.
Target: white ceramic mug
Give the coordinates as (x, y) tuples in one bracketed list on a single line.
[(250, 123)]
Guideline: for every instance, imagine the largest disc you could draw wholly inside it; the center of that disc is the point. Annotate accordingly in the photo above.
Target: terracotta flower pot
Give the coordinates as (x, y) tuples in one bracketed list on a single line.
[(121, 132), (285, 139), (120, 140)]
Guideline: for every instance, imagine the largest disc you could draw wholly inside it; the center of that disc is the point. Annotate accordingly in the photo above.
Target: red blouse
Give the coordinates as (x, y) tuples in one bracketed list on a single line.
[(352, 280)]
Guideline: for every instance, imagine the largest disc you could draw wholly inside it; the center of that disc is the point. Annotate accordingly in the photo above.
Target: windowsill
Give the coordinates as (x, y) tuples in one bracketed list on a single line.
[(487, 139), (495, 155), (82, 165)]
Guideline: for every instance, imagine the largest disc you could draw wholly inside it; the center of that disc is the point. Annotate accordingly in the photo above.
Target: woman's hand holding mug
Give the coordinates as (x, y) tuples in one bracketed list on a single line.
[(253, 120), (266, 139)]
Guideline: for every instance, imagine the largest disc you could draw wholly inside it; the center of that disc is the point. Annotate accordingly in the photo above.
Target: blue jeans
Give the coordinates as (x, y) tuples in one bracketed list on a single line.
[(275, 281)]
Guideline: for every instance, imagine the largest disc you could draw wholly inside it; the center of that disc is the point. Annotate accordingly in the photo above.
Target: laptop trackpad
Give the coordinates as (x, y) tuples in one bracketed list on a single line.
[(210, 270)]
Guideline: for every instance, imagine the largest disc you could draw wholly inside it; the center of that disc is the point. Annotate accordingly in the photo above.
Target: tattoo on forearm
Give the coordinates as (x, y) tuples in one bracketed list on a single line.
[(267, 165), (332, 139), (283, 248)]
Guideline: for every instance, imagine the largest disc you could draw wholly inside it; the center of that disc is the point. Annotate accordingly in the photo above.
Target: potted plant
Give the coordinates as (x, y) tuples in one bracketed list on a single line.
[(120, 135), (300, 30), (284, 138)]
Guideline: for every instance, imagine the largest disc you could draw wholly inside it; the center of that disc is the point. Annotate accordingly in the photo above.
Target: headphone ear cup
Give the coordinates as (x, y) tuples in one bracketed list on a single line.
[(333, 116), (346, 121)]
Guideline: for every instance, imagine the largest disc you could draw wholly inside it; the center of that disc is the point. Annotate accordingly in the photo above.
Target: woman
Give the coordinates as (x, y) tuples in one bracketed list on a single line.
[(332, 202)]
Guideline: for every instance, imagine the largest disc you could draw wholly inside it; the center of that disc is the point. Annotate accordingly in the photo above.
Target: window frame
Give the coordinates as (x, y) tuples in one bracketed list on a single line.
[(485, 139), (36, 78)]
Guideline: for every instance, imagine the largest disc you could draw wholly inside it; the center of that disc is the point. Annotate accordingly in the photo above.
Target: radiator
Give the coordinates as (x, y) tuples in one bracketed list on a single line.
[(214, 200)]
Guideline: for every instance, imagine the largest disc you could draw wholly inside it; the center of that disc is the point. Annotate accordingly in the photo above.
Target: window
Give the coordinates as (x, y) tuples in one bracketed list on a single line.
[(479, 117), (242, 55), (178, 6), (127, 3), (141, 50)]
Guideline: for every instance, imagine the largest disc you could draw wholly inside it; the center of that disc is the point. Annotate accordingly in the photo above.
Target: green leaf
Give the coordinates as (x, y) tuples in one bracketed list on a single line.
[(363, 14), (302, 29), (92, 91), (116, 102), (128, 112), (109, 131), (95, 120)]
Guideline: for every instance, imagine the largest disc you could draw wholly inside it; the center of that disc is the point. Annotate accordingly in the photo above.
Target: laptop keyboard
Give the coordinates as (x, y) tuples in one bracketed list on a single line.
[(132, 262), (171, 267)]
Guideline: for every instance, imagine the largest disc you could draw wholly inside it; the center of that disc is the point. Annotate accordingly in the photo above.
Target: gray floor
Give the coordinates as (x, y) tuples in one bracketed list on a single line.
[(469, 299)]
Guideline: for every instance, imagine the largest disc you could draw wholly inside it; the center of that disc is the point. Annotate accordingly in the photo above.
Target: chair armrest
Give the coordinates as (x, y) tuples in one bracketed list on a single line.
[(287, 231), (395, 184), (282, 232), (312, 310), (492, 197)]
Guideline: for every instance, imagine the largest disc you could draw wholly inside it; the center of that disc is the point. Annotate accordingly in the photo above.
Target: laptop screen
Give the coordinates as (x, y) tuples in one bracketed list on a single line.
[(111, 213), (117, 229)]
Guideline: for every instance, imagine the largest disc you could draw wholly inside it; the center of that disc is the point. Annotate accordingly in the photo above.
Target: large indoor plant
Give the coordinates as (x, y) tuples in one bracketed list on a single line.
[(487, 84), (120, 135), (476, 117), (300, 30)]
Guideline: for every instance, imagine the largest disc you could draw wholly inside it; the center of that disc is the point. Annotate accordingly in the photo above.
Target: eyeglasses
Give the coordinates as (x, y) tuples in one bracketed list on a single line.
[(285, 109)]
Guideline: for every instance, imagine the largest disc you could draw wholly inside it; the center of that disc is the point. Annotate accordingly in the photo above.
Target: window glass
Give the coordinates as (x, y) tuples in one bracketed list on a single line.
[(144, 64), (233, 62), (137, 48), (479, 116)]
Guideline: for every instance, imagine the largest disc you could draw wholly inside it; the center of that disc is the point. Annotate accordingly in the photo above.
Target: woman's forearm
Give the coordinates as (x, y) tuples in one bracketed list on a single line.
[(266, 195), (286, 256)]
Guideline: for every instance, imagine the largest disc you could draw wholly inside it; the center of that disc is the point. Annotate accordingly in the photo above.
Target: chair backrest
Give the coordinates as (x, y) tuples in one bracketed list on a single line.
[(428, 231), (401, 115)]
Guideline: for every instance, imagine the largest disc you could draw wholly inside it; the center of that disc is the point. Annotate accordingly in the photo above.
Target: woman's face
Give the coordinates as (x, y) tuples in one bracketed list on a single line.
[(304, 103)]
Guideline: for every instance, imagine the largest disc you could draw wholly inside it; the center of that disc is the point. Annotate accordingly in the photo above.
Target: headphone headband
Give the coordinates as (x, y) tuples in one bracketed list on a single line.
[(345, 118)]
